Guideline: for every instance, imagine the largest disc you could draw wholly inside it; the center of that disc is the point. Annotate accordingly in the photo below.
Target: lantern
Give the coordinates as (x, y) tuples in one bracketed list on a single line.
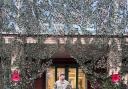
[(15, 76), (116, 78)]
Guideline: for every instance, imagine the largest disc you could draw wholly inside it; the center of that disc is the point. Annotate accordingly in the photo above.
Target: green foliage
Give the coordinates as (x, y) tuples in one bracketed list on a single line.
[(104, 18)]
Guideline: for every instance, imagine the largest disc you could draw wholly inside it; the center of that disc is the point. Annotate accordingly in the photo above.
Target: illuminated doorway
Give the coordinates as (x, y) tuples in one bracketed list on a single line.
[(73, 74)]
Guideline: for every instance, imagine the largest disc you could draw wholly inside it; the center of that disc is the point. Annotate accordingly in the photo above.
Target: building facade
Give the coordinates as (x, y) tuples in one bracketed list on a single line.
[(62, 61)]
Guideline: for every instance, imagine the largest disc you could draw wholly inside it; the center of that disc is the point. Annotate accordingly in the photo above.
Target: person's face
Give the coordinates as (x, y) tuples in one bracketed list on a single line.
[(62, 77)]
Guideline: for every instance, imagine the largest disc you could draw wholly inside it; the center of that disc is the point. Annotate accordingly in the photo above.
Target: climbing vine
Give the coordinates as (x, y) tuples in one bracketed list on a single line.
[(96, 33)]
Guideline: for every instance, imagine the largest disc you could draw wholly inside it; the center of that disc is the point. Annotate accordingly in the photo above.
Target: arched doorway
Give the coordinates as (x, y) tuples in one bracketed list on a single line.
[(62, 62), (73, 73)]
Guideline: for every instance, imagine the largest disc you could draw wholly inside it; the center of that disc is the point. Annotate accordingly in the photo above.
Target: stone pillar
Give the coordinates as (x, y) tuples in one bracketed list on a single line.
[(1, 71), (1, 75), (114, 56)]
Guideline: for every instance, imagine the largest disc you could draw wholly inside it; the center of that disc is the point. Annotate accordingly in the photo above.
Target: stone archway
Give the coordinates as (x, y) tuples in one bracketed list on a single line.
[(60, 59)]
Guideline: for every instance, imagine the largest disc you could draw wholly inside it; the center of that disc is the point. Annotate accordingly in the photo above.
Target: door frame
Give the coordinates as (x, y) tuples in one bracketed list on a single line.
[(67, 66)]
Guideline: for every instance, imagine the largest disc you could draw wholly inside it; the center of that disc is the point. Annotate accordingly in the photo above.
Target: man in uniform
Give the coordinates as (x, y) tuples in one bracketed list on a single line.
[(62, 83)]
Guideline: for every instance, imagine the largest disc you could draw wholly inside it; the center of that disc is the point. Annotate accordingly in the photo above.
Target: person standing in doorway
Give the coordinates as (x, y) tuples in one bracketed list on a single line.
[(62, 83)]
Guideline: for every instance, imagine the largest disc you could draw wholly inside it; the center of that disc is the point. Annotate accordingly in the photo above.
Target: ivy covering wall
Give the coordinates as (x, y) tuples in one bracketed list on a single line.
[(102, 24)]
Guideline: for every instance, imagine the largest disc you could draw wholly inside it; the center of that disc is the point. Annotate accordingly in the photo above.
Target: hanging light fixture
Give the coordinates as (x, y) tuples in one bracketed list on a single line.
[(116, 78)]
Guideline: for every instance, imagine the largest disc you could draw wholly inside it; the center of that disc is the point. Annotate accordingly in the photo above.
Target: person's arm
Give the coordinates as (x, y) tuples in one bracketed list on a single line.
[(69, 86), (55, 86)]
